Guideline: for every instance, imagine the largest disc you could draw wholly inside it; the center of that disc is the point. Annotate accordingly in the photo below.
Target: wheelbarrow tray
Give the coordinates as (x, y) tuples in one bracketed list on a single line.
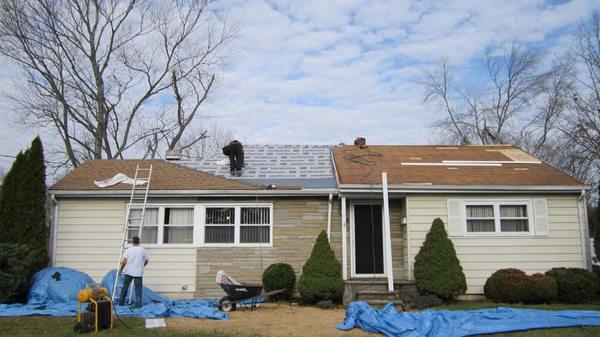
[(240, 292), (243, 299)]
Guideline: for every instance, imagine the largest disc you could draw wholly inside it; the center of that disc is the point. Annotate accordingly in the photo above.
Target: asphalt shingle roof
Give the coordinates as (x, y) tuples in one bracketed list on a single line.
[(304, 166), (409, 165)]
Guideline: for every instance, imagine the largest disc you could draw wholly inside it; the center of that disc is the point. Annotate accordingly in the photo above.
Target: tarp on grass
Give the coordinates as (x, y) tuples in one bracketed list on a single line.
[(53, 292), (148, 296), (446, 323)]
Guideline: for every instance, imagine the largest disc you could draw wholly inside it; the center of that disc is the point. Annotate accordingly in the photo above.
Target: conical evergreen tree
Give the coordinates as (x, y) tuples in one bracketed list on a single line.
[(322, 274), (437, 268), (23, 202)]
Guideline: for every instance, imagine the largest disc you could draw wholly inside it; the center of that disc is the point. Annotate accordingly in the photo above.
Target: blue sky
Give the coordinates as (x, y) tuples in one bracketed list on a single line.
[(328, 71)]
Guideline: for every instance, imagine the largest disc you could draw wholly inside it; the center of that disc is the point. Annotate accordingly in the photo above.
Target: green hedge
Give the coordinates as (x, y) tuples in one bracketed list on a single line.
[(575, 285), (321, 275), (279, 276), (539, 289), (17, 266), (505, 285), (437, 268), (513, 286)]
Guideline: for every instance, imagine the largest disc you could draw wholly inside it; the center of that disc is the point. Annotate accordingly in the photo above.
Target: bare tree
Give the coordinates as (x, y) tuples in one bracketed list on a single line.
[(210, 146), (487, 114), (582, 125), (112, 76), (519, 103)]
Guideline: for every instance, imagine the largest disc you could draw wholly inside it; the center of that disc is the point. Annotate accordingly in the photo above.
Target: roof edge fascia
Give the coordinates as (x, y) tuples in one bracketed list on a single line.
[(195, 193), (417, 188)]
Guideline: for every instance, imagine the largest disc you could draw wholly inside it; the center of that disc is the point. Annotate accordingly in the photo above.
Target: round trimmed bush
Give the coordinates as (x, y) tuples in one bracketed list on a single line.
[(506, 285), (321, 277), (279, 276), (575, 285), (538, 289)]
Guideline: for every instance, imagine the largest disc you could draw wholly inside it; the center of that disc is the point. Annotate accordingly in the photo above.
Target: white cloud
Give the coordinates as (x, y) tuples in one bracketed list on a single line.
[(327, 71)]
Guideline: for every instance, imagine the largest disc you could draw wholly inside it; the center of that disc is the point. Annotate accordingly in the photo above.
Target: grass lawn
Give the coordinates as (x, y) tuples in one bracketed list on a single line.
[(264, 323), (36, 326)]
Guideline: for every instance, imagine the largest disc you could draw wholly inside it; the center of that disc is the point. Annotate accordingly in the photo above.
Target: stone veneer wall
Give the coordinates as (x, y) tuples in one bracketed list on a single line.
[(297, 222)]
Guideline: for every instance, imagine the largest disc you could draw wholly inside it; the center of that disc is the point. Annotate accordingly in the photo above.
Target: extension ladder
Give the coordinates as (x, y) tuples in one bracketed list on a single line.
[(137, 201)]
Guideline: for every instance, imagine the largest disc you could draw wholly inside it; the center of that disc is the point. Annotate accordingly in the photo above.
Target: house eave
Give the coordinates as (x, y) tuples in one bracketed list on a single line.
[(195, 193), (482, 189)]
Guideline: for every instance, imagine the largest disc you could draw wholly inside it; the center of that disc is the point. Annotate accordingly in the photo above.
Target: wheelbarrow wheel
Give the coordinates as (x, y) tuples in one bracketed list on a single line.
[(226, 304)]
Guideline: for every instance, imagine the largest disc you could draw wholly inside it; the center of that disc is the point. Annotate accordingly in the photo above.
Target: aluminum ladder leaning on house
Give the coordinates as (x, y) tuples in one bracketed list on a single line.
[(137, 201)]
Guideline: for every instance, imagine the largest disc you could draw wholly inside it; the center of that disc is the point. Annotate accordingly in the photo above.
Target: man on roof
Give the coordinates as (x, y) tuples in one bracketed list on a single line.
[(235, 151)]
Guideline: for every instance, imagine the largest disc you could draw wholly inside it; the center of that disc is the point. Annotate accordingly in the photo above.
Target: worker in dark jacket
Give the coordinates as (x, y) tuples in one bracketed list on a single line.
[(235, 151)]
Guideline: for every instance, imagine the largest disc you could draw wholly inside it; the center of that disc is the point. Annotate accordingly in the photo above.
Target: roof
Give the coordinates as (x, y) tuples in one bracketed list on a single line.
[(165, 176), (303, 166), (495, 165)]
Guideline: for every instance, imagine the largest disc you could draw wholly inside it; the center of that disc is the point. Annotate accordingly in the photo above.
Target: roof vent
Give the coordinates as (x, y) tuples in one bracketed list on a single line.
[(173, 155)]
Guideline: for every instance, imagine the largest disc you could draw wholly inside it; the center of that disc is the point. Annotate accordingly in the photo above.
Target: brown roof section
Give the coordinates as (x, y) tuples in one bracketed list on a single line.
[(165, 176), (364, 166)]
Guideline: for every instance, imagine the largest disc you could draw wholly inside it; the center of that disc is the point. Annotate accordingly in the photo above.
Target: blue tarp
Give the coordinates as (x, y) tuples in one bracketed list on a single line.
[(148, 296), (446, 323), (53, 292)]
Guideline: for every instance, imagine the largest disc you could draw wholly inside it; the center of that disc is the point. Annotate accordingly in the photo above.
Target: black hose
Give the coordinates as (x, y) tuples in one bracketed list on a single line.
[(119, 318)]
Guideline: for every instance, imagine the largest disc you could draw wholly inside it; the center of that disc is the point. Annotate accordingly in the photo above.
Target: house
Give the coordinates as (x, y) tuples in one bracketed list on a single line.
[(198, 219), (502, 208)]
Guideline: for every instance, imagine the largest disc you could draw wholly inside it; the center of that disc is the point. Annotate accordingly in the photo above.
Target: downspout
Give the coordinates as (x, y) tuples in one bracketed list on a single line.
[(583, 225), (329, 217), (344, 244), (387, 233), (54, 230)]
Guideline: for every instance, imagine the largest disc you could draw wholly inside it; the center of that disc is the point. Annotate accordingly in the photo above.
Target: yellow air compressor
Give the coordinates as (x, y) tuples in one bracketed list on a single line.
[(98, 314)]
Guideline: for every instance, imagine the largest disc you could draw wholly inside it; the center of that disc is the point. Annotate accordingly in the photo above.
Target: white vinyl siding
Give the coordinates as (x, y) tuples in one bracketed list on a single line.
[(88, 239), (480, 256)]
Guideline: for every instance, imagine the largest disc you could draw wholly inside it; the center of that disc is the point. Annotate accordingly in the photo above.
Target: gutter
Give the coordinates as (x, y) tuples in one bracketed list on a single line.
[(194, 193), (420, 188)]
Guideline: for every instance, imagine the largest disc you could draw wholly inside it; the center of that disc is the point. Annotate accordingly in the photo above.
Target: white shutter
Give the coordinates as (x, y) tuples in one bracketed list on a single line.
[(455, 224), (540, 214)]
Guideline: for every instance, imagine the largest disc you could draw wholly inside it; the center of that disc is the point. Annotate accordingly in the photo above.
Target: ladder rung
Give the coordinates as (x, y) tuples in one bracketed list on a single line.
[(144, 169)]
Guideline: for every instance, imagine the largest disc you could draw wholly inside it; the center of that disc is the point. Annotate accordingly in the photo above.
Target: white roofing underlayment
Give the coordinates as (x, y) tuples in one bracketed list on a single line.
[(307, 166)]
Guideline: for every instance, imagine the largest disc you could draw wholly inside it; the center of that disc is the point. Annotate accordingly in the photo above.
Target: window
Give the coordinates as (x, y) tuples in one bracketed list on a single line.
[(150, 229), (238, 225), (255, 225), (179, 225), (220, 225), (497, 217), (480, 218), (163, 225), (513, 218)]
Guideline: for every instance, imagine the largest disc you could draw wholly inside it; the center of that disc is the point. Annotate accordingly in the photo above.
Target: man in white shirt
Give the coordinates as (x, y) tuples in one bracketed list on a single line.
[(134, 261)]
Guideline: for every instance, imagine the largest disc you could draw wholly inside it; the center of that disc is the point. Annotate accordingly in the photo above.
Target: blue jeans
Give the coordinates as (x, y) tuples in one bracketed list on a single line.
[(137, 287)]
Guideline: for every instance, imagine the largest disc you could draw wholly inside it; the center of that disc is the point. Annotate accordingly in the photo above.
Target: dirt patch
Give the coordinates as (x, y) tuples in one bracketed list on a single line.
[(277, 320)]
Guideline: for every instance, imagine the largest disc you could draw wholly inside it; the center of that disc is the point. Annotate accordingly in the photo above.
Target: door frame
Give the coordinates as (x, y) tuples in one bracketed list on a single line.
[(353, 273)]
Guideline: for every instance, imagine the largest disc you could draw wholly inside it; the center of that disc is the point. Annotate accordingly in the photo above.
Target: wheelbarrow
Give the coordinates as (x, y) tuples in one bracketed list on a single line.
[(242, 295)]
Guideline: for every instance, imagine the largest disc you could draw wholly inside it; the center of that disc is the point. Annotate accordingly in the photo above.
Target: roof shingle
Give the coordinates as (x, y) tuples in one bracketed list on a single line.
[(165, 176), (364, 166)]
